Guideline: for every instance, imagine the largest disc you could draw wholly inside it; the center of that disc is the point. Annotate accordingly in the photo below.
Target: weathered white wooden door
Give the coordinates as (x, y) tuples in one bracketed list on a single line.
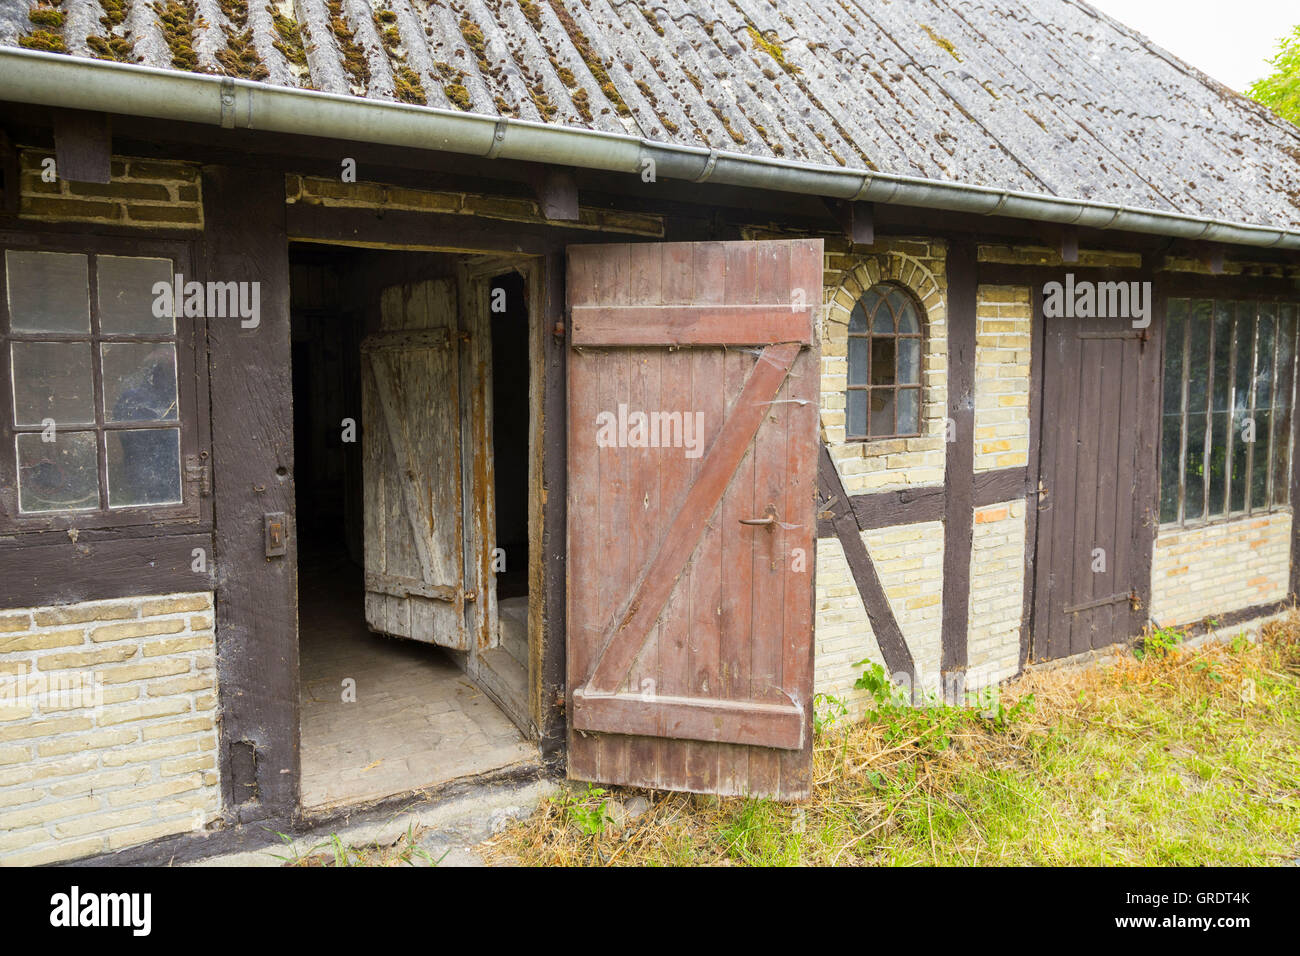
[(412, 467)]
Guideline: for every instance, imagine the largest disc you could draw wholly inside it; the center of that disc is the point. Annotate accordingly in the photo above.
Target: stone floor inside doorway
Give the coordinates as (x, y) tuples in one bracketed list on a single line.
[(417, 721)]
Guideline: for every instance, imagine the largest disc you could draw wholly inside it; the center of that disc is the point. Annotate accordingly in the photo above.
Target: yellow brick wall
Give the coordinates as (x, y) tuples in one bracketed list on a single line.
[(134, 757), (909, 562), (892, 463), (1004, 325), (148, 193), (1216, 568), (997, 589)]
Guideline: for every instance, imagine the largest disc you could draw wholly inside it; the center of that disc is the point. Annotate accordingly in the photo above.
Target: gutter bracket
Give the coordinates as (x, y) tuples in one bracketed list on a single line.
[(498, 139), (709, 163), (227, 103)]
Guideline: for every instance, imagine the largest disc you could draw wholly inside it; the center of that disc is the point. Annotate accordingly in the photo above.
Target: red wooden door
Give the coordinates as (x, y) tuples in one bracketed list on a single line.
[(693, 400)]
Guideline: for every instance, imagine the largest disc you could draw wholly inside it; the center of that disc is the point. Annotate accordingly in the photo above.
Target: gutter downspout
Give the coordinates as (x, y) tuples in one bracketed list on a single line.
[(56, 80)]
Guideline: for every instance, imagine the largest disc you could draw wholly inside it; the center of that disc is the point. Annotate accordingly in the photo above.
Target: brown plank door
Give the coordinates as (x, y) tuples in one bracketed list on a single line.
[(692, 444), (1097, 499), (411, 467)]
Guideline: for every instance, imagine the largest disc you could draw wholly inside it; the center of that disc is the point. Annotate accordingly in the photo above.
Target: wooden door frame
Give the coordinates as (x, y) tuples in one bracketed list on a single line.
[(478, 423)]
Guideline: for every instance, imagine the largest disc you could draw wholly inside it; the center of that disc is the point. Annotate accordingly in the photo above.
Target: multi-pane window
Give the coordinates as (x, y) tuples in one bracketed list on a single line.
[(883, 397), (1229, 394), (94, 417)]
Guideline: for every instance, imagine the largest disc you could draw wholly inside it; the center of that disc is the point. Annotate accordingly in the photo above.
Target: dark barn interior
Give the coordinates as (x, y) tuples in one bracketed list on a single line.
[(382, 714)]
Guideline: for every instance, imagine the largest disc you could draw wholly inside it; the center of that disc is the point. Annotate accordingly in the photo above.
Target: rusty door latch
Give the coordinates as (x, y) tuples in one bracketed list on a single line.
[(275, 528)]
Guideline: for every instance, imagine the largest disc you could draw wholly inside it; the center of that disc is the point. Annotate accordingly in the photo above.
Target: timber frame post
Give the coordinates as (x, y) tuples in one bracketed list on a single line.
[(959, 462), (256, 595)]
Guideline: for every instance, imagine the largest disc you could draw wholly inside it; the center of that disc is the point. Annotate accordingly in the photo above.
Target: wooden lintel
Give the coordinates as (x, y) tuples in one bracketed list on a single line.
[(557, 192), (857, 220), (83, 144)]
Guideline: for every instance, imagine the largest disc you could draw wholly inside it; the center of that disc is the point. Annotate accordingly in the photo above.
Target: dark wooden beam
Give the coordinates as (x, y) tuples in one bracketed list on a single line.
[(885, 509), (857, 220), (557, 191), (1211, 255), (834, 503), (252, 449), (83, 145), (1004, 484), (1033, 471), (10, 170), (42, 569), (959, 465), (1069, 244)]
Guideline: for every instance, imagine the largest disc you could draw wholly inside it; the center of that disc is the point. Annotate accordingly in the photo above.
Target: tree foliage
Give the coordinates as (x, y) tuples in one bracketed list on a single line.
[(1280, 90)]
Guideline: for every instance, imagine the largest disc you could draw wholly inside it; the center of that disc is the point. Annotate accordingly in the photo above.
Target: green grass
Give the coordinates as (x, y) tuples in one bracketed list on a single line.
[(1183, 758)]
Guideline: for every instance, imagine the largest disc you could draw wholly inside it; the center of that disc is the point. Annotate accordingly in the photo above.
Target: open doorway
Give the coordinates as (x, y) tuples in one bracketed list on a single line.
[(393, 366)]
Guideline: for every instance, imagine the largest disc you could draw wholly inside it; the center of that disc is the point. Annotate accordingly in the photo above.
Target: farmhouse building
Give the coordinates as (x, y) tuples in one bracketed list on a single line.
[(405, 392)]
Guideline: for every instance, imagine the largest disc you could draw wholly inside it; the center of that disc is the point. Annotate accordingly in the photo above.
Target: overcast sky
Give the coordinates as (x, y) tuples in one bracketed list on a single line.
[(1228, 39)]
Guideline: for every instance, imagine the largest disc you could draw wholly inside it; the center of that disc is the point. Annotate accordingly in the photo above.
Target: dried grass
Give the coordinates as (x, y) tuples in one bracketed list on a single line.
[(1163, 760)]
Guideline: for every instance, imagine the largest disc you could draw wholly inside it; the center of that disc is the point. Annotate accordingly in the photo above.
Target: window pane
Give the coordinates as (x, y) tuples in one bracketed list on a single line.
[(1171, 429), (1169, 449), (882, 411), (909, 361), (1194, 504), (1222, 361), (882, 361), (883, 321), (144, 467), (126, 298), (908, 323), (1259, 470), (897, 299), (1218, 476), (1264, 360), (857, 412), (858, 319), (1245, 346), (857, 360), (139, 382), (48, 291), (908, 411), (62, 475), (1174, 331), (1198, 346), (1286, 353), (52, 380)]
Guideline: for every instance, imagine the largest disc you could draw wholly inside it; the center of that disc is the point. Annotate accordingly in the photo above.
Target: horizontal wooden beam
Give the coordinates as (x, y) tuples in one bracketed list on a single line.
[(1004, 484), (689, 718), (66, 572), (668, 325), (889, 509)]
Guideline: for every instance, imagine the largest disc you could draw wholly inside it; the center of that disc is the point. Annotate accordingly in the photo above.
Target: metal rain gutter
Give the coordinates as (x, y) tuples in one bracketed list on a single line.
[(56, 80)]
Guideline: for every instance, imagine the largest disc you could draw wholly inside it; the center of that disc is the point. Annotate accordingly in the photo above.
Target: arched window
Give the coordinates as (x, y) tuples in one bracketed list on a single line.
[(884, 392)]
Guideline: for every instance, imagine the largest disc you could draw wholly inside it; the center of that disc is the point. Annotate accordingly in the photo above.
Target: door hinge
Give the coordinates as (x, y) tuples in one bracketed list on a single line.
[(198, 473)]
